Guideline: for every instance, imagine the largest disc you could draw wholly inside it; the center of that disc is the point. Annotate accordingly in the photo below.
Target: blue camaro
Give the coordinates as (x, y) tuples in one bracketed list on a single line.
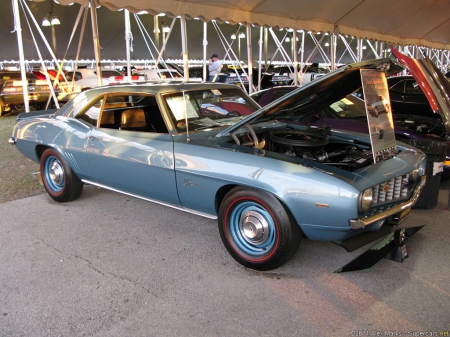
[(268, 176)]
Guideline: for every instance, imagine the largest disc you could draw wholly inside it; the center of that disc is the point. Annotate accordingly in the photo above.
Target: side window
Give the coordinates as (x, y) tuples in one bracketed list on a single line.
[(398, 87), (411, 87), (110, 73), (125, 112), (280, 93), (92, 113)]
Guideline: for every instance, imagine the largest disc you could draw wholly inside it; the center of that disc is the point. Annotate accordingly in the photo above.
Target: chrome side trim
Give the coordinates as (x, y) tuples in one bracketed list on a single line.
[(205, 215), (363, 222), (12, 141)]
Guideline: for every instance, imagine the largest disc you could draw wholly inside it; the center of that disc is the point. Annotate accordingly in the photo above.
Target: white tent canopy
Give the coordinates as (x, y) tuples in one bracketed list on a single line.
[(404, 22)]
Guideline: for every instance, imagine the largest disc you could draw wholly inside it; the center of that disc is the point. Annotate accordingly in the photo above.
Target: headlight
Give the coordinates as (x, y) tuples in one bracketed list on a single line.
[(415, 174), (366, 199)]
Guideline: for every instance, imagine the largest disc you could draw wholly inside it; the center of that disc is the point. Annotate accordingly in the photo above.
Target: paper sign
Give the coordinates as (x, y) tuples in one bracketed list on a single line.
[(379, 114)]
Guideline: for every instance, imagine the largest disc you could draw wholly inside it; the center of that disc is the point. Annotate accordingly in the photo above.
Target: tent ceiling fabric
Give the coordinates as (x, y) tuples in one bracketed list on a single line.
[(405, 22)]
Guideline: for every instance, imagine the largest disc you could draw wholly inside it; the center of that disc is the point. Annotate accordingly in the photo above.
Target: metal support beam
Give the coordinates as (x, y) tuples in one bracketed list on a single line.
[(205, 49), (128, 42), (260, 43), (184, 47), (96, 41), (250, 58), (18, 28), (295, 48)]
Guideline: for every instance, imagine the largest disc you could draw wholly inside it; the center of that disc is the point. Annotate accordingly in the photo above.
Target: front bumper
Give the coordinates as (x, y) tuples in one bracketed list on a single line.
[(363, 222)]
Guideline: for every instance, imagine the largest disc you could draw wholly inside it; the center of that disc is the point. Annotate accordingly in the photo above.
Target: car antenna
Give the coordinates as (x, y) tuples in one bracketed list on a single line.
[(185, 118)]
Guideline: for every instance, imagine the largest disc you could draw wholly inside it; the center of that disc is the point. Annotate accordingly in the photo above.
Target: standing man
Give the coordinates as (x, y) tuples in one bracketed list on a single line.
[(215, 65)]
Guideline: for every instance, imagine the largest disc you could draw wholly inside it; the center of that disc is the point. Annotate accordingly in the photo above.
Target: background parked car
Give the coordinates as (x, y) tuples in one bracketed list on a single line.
[(85, 78), (159, 75), (285, 75), (11, 91), (411, 109)]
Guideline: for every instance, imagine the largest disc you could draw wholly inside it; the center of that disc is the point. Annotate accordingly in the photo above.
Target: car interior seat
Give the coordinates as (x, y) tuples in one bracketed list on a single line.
[(134, 119)]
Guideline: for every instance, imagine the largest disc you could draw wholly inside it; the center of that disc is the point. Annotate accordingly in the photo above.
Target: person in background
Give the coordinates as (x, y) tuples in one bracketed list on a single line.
[(215, 65)]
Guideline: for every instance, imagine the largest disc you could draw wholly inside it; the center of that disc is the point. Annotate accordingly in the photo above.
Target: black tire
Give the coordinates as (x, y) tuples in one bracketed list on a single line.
[(267, 239), (60, 182)]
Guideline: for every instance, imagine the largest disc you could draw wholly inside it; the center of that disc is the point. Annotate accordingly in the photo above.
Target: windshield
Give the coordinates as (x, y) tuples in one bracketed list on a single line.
[(208, 108)]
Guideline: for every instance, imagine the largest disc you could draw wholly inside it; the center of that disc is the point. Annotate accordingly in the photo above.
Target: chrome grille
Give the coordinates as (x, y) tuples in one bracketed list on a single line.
[(391, 190)]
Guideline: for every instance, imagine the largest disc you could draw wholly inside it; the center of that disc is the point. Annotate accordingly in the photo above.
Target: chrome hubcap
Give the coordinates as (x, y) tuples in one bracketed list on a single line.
[(254, 228), (56, 173)]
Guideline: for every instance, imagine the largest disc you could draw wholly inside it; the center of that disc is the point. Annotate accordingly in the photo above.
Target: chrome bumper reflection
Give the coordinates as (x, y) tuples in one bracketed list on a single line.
[(363, 222)]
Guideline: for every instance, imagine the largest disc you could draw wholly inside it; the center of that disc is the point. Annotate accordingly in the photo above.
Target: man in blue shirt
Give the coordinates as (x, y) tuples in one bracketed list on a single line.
[(215, 65)]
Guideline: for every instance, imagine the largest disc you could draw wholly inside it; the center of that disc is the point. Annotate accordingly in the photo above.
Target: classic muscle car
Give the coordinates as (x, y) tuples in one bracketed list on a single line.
[(11, 91), (269, 178)]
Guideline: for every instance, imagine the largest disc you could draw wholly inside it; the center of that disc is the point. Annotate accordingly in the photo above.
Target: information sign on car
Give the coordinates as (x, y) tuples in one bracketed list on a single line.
[(381, 126)]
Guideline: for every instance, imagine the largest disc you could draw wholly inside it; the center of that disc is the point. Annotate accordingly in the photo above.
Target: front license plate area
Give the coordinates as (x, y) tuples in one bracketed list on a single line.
[(404, 215)]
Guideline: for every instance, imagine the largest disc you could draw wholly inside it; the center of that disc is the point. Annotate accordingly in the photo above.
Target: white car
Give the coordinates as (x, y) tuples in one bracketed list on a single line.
[(86, 78), (159, 75)]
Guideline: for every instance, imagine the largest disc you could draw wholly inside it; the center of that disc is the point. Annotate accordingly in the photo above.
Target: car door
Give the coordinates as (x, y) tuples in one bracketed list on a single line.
[(125, 154)]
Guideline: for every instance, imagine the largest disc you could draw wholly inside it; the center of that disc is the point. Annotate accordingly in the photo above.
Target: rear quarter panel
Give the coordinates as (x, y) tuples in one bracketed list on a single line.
[(66, 135)]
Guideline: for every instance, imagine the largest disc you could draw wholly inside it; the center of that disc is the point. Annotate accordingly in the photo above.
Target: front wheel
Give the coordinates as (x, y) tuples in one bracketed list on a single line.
[(256, 229), (60, 182)]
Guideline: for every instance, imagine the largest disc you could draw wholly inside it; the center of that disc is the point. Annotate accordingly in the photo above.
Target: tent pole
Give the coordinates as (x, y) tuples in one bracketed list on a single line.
[(334, 36), (296, 68), (250, 58), (261, 42), (156, 31), (266, 46), (18, 29), (359, 52), (96, 41), (205, 48), (184, 48), (128, 42), (302, 55)]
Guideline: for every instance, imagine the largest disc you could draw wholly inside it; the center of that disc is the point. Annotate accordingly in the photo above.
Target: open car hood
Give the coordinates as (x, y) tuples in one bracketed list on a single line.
[(320, 93), (433, 83)]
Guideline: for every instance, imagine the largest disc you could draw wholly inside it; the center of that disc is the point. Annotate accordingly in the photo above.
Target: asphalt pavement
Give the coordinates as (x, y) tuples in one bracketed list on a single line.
[(110, 265)]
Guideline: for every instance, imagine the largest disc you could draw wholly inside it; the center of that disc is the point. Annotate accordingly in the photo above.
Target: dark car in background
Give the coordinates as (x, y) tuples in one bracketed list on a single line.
[(346, 114), (411, 108), (11, 91), (407, 98)]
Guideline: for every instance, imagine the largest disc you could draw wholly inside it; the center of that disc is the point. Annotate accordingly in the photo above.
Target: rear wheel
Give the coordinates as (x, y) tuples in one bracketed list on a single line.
[(256, 229), (60, 182)]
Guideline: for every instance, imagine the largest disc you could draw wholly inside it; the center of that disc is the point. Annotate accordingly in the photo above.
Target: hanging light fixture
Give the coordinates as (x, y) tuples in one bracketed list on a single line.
[(51, 19), (55, 20), (46, 22)]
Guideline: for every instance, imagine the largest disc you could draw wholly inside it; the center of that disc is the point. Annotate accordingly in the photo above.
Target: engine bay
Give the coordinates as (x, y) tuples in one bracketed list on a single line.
[(315, 144)]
